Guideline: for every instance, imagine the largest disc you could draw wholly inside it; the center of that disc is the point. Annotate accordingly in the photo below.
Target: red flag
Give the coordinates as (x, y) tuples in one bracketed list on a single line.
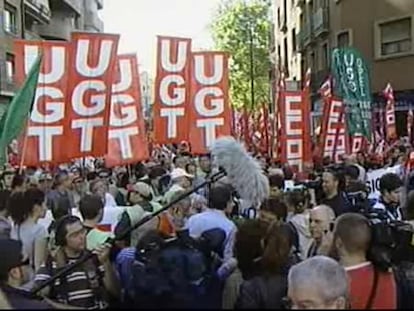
[(390, 113), (45, 138), (127, 139), (172, 90), (326, 88), (410, 121), (209, 113), (92, 60)]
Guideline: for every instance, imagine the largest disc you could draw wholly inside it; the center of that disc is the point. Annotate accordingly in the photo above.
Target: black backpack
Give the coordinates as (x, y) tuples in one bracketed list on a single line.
[(294, 234)]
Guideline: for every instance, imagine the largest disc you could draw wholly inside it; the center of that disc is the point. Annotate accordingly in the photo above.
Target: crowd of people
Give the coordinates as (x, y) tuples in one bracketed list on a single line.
[(307, 246)]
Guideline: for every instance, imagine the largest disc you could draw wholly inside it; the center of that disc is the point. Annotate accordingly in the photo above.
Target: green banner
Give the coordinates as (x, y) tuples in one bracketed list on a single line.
[(352, 83)]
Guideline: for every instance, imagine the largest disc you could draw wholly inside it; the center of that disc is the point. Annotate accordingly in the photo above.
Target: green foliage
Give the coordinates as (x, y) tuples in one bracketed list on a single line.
[(238, 23)]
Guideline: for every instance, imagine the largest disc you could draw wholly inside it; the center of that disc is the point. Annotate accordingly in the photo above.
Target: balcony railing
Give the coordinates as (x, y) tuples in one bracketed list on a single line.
[(39, 10), (320, 21)]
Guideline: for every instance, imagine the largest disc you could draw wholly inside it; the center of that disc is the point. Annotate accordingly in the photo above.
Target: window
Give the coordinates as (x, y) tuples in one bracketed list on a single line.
[(286, 57), (396, 37), (325, 56), (10, 21), (278, 17), (312, 61), (294, 40), (343, 39), (9, 67)]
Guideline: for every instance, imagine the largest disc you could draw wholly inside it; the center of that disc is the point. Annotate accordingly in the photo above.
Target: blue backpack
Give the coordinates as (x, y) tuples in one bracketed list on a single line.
[(175, 275)]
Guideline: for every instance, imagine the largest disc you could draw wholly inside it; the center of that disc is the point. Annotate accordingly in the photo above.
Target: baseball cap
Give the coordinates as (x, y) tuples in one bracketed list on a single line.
[(141, 188), (11, 258), (179, 172)]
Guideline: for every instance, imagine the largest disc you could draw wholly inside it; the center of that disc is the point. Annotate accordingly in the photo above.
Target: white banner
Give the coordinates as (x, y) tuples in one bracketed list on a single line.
[(374, 177)]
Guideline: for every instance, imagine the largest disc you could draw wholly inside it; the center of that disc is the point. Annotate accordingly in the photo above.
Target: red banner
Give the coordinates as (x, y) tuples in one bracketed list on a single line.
[(210, 114), (390, 113), (172, 90), (45, 142), (92, 64), (127, 138), (295, 138), (334, 143)]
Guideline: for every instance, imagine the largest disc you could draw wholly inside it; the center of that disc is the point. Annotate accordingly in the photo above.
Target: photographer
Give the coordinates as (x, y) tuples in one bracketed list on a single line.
[(389, 202), (369, 288), (333, 183)]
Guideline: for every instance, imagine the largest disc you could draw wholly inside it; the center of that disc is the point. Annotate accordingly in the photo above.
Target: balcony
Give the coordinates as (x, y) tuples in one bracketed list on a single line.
[(38, 10), (305, 36), (73, 6), (320, 21), (93, 22), (30, 35)]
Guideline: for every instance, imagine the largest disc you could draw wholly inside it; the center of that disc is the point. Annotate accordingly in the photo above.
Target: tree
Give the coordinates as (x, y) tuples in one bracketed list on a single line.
[(243, 28)]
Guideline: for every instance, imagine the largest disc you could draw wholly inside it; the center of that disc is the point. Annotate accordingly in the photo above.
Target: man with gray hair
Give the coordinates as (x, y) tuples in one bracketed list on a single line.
[(321, 221), (318, 283)]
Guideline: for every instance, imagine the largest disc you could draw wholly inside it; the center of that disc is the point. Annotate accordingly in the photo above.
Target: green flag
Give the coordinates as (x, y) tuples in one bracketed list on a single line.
[(352, 83), (15, 118)]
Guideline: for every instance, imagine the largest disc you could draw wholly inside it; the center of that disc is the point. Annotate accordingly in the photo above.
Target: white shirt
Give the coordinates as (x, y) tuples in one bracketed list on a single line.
[(110, 200)]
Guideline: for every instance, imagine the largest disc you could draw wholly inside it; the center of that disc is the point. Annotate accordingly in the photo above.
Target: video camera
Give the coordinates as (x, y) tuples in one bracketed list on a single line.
[(392, 241)]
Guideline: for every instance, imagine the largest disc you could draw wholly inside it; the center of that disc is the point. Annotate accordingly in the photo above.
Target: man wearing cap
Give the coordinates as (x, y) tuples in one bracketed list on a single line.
[(140, 198), (7, 179), (13, 275), (181, 181)]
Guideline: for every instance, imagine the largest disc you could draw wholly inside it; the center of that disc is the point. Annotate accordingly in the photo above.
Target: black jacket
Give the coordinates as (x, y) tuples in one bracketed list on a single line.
[(21, 300), (263, 293)]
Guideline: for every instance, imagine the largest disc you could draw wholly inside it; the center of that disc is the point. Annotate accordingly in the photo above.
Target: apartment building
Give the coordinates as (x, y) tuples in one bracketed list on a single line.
[(382, 30), (147, 91), (40, 20)]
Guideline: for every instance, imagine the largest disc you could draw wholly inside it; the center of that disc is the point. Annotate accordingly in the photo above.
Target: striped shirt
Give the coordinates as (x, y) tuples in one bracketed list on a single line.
[(80, 288)]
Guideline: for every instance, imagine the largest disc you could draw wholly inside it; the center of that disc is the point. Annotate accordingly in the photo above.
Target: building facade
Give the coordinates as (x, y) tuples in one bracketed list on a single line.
[(147, 89), (382, 30), (40, 20)]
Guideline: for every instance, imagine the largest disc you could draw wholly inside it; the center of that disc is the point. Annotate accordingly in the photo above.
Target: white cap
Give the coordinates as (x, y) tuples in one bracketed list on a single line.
[(179, 172)]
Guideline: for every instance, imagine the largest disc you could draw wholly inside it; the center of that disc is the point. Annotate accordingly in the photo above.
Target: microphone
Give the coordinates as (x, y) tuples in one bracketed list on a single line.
[(244, 172)]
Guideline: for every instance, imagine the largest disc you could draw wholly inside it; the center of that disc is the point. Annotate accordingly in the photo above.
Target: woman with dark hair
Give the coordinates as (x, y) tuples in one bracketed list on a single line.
[(25, 209), (268, 287), (5, 225), (298, 202)]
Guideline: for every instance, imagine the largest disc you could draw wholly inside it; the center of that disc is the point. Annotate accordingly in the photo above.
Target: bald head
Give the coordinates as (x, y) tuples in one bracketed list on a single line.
[(320, 218)]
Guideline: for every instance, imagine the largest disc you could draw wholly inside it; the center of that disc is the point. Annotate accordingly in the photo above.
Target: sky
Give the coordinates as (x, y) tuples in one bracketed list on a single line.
[(140, 21)]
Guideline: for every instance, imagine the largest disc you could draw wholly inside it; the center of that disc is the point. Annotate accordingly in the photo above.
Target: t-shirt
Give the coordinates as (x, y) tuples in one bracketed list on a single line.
[(28, 233), (82, 287), (361, 278)]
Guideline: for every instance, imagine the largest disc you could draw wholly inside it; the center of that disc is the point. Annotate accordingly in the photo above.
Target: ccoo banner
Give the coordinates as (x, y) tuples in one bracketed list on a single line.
[(295, 138), (353, 85)]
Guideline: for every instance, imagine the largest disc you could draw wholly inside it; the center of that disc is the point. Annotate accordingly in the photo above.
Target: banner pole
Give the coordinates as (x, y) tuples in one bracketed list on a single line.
[(24, 147)]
